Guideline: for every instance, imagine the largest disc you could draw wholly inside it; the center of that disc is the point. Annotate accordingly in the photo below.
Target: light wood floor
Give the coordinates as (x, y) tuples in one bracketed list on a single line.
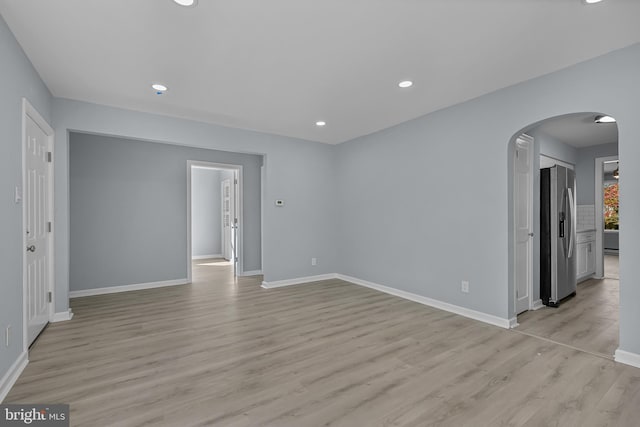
[(588, 321), (228, 353)]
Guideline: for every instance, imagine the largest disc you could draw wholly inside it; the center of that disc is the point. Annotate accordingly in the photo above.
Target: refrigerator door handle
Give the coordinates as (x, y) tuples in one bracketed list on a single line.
[(571, 221)]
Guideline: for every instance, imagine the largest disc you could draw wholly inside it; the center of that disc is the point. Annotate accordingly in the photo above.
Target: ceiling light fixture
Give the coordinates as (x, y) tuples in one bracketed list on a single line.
[(186, 3), (592, 1), (405, 84), (604, 119), (320, 123), (160, 89)]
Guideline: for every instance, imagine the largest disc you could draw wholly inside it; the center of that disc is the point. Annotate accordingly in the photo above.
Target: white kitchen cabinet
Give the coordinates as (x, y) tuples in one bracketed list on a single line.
[(585, 254)]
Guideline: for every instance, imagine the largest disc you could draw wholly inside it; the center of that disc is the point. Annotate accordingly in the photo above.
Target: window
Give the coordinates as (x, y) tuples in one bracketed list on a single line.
[(611, 206)]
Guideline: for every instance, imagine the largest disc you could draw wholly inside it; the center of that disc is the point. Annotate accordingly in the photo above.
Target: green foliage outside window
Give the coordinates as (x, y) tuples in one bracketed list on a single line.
[(611, 206)]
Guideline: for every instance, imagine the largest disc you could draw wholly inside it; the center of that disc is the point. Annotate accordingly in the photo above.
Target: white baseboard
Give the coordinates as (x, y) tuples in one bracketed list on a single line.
[(628, 358), (62, 316), (537, 305), (462, 311), (196, 257), (10, 378), (251, 273), (298, 281), (513, 322), (126, 288)]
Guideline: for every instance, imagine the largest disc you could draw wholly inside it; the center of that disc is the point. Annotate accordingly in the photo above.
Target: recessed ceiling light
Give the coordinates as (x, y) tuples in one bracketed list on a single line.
[(405, 84), (604, 119), (320, 123), (592, 1), (187, 3), (159, 88)]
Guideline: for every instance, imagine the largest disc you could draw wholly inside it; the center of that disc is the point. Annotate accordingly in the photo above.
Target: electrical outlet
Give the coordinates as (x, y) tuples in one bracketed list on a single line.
[(464, 287), (7, 334), (314, 261)]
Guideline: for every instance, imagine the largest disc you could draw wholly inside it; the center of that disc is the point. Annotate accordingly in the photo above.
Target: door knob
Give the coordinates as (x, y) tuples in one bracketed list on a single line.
[(530, 234), (31, 248)]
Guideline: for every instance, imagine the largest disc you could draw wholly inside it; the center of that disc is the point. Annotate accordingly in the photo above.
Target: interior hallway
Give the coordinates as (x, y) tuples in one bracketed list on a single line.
[(226, 352), (588, 321)]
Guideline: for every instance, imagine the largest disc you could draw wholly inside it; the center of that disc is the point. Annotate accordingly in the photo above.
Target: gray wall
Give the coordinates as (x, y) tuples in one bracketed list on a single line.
[(300, 172), (206, 212), (586, 169), (401, 229), (18, 79), (553, 148), (128, 210), (611, 240)]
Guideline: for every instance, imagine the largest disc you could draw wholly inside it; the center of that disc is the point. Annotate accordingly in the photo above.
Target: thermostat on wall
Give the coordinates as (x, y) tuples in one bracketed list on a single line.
[(280, 203)]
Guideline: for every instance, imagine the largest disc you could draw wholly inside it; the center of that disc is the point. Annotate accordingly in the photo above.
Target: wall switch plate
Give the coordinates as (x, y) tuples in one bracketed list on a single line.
[(314, 261), (464, 287)]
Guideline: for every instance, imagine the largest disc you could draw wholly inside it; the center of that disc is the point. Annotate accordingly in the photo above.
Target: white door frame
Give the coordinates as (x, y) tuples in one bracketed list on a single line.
[(599, 205), (28, 111), (530, 142), (240, 231)]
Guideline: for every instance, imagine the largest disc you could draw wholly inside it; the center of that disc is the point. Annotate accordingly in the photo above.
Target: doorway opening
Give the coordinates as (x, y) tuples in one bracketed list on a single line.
[(586, 316), (214, 215), (607, 176)]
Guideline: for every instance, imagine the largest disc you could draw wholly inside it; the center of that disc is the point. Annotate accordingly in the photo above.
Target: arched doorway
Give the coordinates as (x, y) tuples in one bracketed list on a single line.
[(569, 143)]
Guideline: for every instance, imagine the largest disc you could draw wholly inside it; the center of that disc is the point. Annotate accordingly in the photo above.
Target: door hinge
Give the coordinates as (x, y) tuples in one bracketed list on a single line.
[(236, 260), (49, 156), (235, 181), (49, 226), (49, 297)]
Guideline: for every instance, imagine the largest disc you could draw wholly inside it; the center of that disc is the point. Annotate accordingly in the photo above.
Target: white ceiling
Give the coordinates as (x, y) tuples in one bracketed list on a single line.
[(278, 66), (579, 130)]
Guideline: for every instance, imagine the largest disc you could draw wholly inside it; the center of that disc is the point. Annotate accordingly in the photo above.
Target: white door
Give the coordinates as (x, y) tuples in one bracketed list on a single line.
[(226, 219), (229, 220), (36, 199), (522, 222), (234, 221)]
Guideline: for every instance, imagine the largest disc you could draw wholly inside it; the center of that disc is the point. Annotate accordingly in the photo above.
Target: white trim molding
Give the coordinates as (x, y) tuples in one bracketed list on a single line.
[(599, 214), (197, 257), (456, 309), (126, 288), (513, 323), (13, 374), (62, 316), (299, 281), (537, 305), (251, 273), (628, 358)]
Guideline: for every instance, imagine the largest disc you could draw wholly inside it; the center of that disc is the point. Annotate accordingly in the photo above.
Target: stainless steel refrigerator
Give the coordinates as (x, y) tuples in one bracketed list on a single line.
[(557, 234)]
